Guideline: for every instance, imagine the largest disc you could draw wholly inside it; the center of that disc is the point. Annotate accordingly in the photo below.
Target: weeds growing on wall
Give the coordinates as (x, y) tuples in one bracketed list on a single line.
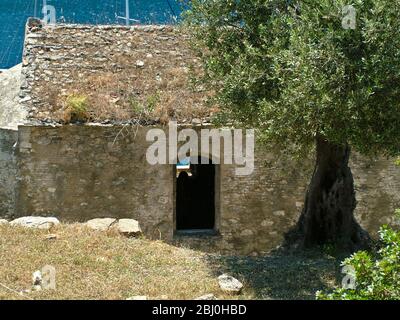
[(77, 106)]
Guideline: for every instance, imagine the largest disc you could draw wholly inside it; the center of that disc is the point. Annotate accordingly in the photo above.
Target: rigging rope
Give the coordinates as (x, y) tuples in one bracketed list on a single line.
[(171, 8)]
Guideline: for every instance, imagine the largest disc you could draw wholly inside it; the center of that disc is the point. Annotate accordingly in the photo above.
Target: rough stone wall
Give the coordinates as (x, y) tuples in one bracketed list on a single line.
[(11, 112), (83, 172), (377, 184), (8, 172), (117, 68), (257, 210), (264, 205), (79, 172)]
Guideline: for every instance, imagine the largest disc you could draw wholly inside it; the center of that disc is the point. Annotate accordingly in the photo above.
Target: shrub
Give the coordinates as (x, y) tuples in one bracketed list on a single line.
[(397, 213), (146, 108), (152, 101), (77, 106), (377, 274), (136, 107)]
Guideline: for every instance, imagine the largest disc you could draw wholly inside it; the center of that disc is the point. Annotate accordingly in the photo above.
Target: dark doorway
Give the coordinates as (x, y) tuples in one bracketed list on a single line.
[(195, 197)]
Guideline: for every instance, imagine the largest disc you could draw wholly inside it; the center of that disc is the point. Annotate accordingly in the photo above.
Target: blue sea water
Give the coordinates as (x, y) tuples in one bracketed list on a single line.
[(14, 13)]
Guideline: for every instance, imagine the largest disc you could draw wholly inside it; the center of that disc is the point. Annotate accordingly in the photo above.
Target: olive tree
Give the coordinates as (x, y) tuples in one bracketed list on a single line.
[(320, 75)]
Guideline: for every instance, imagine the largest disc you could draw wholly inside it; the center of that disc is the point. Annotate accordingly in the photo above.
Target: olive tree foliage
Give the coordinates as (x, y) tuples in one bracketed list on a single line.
[(295, 71)]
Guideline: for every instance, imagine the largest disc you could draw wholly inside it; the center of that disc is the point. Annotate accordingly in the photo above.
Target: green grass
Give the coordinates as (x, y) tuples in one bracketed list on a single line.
[(96, 265), (77, 107)]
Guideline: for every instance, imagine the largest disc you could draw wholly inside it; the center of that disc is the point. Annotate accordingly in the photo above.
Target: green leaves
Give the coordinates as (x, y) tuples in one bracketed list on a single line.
[(397, 213), (377, 275), (290, 69)]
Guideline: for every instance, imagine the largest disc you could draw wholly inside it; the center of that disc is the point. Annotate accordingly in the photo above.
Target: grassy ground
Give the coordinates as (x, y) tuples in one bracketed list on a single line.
[(93, 265)]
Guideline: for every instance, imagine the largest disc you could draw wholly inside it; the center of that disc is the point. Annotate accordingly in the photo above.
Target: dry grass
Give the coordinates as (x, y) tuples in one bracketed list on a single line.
[(136, 94), (93, 265), (117, 69), (160, 91), (140, 94)]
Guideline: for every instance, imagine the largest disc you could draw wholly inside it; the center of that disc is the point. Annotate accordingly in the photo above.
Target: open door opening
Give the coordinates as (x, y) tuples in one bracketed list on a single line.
[(195, 196)]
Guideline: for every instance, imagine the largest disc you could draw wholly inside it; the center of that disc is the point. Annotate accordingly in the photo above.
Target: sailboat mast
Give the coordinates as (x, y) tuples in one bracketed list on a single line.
[(127, 15), (127, 12)]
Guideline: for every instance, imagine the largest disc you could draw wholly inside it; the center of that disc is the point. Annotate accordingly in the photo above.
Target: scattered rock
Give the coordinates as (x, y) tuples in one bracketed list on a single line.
[(229, 284), (129, 227), (3, 221), (137, 298), (196, 121), (35, 222), (101, 224), (37, 280), (24, 292), (139, 63), (207, 297), (51, 237)]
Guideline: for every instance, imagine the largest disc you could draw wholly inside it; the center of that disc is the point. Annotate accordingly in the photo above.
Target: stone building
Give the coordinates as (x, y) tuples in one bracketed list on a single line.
[(73, 144)]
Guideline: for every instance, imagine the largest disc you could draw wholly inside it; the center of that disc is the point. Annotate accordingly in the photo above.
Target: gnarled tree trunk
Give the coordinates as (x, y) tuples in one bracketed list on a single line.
[(328, 213)]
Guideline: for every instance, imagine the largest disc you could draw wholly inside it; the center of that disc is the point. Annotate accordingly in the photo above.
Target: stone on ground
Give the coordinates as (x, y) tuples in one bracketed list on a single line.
[(229, 284), (3, 221), (207, 297), (137, 298), (36, 222), (129, 227), (51, 237), (37, 281), (101, 224)]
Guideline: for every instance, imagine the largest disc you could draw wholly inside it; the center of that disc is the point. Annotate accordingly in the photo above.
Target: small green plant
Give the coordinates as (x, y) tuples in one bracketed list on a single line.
[(152, 102), (148, 107), (397, 214), (77, 107), (376, 274), (136, 106)]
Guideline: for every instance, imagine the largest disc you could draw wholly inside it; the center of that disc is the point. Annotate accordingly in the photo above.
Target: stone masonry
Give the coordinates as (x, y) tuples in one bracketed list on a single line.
[(82, 171)]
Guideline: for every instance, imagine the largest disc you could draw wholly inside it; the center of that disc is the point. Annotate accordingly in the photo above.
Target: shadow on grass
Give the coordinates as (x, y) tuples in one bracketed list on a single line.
[(281, 276)]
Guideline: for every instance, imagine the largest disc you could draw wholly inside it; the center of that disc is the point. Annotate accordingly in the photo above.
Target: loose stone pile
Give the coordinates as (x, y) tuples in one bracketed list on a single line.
[(127, 227)]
